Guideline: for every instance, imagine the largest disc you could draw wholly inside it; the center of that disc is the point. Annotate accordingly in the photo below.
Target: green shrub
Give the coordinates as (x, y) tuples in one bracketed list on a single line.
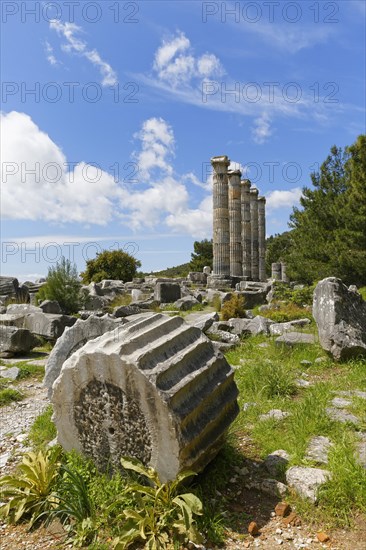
[(30, 492), (287, 312), (62, 285), (162, 515), (110, 264), (235, 307)]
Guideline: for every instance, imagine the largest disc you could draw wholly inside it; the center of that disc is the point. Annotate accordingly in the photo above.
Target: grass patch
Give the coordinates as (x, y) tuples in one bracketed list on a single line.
[(282, 313), (43, 429), (121, 300), (362, 291), (28, 370), (8, 395)]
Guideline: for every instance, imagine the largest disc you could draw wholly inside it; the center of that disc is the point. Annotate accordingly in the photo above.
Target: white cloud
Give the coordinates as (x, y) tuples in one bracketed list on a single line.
[(176, 64), (261, 131), (88, 195), (157, 146), (283, 199), (53, 192), (75, 45), (196, 222), (51, 58)]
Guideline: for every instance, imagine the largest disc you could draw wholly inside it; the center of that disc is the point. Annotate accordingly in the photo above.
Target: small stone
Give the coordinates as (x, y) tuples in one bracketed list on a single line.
[(306, 363), (320, 360), (341, 403), (279, 541), (276, 414), (247, 406), (322, 537), (253, 529), (318, 449), (282, 509), (278, 531), (341, 416), (292, 519), (276, 461), (300, 383)]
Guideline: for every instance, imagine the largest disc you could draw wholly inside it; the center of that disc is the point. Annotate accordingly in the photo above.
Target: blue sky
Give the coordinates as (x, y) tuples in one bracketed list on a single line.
[(111, 112)]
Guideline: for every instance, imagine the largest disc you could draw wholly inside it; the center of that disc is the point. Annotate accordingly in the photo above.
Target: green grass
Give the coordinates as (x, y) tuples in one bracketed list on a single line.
[(43, 429), (266, 376), (8, 395)]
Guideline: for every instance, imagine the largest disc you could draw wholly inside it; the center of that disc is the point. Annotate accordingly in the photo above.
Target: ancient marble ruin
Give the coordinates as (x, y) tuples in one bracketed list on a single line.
[(156, 389), (239, 227)]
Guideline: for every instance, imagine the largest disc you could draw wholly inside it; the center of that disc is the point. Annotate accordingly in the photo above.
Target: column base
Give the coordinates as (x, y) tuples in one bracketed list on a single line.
[(220, 282)]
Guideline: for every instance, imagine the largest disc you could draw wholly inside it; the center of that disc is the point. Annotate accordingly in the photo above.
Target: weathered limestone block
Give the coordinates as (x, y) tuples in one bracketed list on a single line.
[(16, 340), (12, 319), (167, 293), (295, 338), (73, 339), (202, 321), (125, 311), (197, 277), (340, 314), (8, 286), (23, 309), (307, 481), (49, 326), (186, 303), (280, 328), (50, 306), (154, 389)]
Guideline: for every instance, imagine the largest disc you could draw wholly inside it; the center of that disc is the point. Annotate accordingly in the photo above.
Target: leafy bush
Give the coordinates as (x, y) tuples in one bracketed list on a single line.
[(31, 492), (62, 285), (287, 312), (235, 307), (161, 515), (115, 264)]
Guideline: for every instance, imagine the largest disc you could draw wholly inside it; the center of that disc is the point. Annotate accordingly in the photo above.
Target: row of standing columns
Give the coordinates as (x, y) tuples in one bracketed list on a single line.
[(238, 225)]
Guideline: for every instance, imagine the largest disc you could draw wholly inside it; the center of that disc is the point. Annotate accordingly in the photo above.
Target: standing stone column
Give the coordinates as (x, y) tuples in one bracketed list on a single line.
[(276, 271), (221, 231), (246, 231), (235, 223), (254, 224), (262, 237), (284, 277)]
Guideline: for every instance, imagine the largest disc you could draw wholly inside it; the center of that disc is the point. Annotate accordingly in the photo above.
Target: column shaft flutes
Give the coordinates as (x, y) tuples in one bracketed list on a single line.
[(262, 237), (254, 225), (235, 223), (221, 230)]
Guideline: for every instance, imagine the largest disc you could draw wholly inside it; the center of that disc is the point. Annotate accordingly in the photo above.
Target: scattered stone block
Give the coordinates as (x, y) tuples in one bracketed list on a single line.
[(276, 414), (307, 481), (340, 314), (186, 303), (292, 519), (301, 383), (322, 537), (50, 306), (16, 340), (126, 311), (155, 390), (276, 462), (223, 336), (167, 293), (318, 449), (277, 329), (73, 339), (341, 403), (11, 373), (339, 415), (291, 339), (203, 322), (23, 309), (253, 529), (282, 509), (49, 326)]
